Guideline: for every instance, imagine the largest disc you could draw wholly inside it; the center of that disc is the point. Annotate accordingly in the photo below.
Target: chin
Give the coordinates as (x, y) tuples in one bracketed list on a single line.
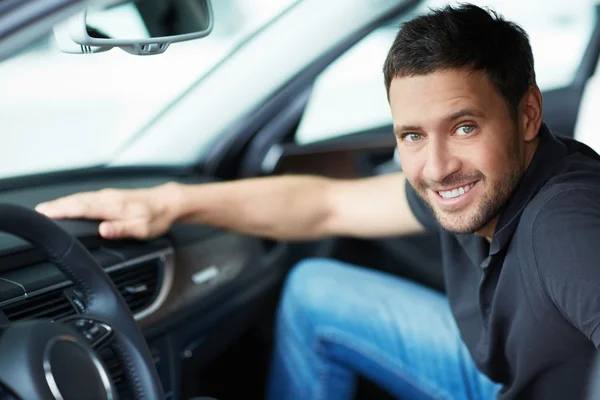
[(459, 229), (461, 224)]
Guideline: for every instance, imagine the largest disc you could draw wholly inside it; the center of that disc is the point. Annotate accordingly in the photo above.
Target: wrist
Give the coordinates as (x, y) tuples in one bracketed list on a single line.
[(170, 200)]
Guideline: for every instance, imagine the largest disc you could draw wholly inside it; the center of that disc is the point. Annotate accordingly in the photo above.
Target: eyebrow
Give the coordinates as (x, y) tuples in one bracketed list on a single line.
[(465, 112)]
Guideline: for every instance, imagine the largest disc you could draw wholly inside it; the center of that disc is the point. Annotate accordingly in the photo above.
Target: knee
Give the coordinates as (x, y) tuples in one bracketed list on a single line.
[(311, 284)]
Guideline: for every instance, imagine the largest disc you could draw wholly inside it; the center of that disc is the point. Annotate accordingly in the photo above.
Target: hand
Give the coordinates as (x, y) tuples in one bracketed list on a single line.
[(137, 213)]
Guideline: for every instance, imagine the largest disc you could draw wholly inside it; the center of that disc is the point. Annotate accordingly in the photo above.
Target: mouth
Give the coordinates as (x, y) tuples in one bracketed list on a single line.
[(456, 192), (456, 196)]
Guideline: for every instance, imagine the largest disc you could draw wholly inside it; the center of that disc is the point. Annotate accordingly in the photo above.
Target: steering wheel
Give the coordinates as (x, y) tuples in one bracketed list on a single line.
[(56, 360)]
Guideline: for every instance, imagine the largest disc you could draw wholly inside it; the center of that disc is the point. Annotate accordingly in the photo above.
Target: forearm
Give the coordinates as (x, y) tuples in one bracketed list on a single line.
[(285, 208)]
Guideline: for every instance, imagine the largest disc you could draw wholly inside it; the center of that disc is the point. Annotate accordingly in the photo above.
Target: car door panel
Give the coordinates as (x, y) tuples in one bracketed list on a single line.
[(342, 157)]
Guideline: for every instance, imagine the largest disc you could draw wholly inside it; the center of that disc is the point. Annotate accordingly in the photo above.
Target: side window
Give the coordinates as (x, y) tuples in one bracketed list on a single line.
[(349, 96)]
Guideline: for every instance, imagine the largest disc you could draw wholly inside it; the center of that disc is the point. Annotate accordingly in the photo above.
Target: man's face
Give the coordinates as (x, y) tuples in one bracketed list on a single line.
[(458, 145)]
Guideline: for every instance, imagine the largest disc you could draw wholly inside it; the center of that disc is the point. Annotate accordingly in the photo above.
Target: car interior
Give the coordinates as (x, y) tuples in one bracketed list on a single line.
[(205, 299)]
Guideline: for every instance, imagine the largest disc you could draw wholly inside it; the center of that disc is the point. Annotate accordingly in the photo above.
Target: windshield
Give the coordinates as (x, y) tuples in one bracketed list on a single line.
[(65, 111)]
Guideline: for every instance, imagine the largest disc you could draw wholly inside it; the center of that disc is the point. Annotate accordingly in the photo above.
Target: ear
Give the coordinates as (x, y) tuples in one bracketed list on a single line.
[(531, 113)]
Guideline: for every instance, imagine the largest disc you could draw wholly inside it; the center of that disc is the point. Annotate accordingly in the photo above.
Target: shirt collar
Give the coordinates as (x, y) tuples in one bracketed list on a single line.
[(548, 152)]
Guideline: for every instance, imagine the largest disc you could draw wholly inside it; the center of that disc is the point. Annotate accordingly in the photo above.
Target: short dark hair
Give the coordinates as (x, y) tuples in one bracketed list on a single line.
[(464, 36)]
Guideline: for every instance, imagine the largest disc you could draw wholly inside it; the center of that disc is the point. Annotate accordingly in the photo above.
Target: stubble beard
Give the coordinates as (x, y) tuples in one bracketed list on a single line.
[(489, 207), (495, 196)]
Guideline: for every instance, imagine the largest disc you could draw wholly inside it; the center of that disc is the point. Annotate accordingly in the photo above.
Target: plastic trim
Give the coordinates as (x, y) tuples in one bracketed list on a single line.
[(167, 259)]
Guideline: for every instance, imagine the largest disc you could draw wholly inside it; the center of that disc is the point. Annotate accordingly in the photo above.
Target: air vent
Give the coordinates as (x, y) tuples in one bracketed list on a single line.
[(52, 305), (138, 283)]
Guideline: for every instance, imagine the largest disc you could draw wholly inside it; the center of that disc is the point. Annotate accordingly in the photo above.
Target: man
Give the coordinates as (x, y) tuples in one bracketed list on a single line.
[(519, 216)]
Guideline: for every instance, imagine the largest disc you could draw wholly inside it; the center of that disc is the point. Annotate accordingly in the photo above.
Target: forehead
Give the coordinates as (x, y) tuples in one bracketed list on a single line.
[(423, 99)]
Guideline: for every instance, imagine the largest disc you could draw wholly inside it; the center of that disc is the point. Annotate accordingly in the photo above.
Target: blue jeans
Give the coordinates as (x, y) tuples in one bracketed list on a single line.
[(337, 321)]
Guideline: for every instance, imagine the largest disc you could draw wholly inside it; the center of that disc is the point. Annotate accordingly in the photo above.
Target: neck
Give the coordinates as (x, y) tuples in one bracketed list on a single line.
[(487, 231)]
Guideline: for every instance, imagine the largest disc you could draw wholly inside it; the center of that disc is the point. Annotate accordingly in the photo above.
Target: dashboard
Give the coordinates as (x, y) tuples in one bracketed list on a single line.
[(181, 288)]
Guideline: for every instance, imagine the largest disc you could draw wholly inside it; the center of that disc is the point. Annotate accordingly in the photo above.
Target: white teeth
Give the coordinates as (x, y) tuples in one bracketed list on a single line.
[(450, 194)]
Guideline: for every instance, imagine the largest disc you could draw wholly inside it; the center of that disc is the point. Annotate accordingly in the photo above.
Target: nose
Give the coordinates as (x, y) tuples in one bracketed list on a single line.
[(440, 161)]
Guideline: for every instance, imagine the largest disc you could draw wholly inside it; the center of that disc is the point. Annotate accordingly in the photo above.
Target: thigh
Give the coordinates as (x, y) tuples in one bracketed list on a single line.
[(396, 333)]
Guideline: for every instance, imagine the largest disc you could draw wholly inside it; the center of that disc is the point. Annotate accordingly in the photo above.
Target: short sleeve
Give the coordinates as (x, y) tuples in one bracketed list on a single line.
[(565, 236), (420, 209)]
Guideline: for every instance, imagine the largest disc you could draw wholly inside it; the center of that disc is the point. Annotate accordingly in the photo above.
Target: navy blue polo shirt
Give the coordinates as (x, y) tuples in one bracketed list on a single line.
[(528, 303)]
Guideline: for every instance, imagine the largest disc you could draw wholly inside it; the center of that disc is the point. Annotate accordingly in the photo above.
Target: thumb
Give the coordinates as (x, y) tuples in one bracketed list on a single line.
[(130, 228)]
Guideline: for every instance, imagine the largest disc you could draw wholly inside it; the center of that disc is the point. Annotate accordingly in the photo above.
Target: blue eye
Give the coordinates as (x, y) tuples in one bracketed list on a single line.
[(464, 130), (412, 137)]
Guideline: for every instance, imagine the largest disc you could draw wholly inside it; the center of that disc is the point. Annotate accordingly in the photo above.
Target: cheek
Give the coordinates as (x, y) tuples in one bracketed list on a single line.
[(491, 162), (497, 152)]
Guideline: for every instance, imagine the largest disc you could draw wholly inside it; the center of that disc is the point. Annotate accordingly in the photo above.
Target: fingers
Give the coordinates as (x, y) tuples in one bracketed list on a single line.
[(123, 213), (67, 207), (132, 228), (104, 204)]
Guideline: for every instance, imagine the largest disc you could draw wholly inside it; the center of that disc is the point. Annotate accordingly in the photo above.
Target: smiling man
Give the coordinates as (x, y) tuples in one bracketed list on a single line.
[(516, 206), (461, 144)]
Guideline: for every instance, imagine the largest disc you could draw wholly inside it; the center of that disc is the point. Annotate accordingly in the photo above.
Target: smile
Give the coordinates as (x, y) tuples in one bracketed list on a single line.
[(456, 192)]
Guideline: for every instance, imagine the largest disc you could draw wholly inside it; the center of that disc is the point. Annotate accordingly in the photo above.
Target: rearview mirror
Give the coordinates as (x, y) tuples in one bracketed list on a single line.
[(141, 27)]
